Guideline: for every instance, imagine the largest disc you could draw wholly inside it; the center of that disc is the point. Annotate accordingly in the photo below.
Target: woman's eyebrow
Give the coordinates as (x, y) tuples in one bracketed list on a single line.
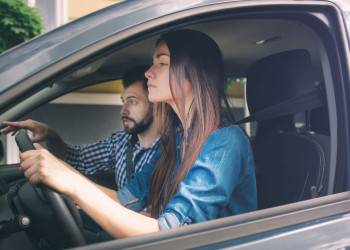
[(161, 54)]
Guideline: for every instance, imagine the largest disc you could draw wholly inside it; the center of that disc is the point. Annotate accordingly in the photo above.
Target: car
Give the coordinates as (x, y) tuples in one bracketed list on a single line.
[(293, 57)]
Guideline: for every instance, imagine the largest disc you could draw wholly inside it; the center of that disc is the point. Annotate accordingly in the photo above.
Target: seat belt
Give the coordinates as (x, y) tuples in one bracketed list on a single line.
[(129, 155), (293, 105)]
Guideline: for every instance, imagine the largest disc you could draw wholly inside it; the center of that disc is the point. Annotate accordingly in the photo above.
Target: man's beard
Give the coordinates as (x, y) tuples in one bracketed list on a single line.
[(139, 127)]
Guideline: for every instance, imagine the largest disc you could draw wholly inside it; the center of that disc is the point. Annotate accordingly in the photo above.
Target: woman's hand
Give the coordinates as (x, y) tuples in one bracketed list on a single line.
[(41, 166)]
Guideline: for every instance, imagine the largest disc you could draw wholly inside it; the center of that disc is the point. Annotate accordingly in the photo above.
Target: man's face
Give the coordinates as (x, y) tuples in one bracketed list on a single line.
[(137, 111)]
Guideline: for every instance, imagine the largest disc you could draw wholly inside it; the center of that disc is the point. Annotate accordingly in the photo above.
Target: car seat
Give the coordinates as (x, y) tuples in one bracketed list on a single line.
[(290, 165)]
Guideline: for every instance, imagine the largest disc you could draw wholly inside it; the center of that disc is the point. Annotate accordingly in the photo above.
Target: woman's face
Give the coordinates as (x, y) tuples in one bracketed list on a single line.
[(158, 78), (158, 75)]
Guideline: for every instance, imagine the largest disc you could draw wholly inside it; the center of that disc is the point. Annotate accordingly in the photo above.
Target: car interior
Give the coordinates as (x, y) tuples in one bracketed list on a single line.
[(289, 98)]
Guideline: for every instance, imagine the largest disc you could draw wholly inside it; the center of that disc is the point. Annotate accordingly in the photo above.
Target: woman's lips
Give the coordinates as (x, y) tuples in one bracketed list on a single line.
[(150, 85)]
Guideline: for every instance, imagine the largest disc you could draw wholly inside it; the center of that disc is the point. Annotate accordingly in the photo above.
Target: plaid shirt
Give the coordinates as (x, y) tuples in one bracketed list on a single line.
[(110, 153)]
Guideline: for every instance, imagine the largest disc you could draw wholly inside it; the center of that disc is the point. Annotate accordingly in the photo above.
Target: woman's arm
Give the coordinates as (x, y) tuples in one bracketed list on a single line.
[(41, 166), (110, 192), (115, 219)]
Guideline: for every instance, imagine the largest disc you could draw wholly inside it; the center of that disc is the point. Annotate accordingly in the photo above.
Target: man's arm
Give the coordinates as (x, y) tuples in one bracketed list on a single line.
[(55, 144), (41, 132)]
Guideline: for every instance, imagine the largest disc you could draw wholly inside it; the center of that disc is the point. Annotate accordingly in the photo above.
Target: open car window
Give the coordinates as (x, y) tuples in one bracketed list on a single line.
[(286, 68)]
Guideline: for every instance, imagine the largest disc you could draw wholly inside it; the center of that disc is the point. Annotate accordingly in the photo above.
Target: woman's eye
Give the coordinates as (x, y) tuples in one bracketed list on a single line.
[(163, 64)]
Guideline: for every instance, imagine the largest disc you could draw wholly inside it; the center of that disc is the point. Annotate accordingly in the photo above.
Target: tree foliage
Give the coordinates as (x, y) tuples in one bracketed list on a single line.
[(18, 23)]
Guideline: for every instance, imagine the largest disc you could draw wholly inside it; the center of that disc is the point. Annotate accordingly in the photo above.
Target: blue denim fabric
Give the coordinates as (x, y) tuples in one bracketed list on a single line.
[(135, 195), (220, 183)]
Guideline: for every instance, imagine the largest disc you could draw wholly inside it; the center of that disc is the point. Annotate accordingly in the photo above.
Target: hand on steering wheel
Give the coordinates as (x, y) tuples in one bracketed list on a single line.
[(64, 209)]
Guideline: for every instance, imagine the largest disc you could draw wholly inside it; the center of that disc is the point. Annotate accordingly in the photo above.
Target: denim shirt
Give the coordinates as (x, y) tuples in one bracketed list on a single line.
[(220, 183)]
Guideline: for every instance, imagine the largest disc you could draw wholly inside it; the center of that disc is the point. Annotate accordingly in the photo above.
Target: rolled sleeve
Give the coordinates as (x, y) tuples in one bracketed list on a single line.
[(128, 200)]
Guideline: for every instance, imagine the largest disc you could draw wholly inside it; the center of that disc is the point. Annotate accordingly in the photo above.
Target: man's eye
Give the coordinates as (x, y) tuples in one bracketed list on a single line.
[(133, 102)]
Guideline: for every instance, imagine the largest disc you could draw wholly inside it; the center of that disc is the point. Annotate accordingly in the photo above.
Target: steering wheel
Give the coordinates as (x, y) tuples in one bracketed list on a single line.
[(62, 206)]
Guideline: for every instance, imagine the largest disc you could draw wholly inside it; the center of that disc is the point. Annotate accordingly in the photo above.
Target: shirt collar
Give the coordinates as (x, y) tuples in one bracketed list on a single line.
[(154, 145)]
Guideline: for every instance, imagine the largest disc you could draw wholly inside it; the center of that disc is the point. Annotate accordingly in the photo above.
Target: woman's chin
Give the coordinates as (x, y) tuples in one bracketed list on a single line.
[(153, 98)]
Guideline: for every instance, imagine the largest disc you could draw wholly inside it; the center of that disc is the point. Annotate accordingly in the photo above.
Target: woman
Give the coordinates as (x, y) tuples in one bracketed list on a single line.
[(205, 169)]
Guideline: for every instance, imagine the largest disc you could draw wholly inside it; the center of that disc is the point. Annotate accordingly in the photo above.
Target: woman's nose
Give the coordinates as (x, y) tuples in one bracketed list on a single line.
[(149, 73)]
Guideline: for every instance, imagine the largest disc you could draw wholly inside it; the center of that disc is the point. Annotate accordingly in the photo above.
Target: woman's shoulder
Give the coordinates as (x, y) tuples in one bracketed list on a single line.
[(227, 135), (230, 130)]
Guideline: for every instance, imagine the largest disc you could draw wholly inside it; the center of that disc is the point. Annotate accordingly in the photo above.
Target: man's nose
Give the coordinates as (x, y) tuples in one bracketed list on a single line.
[(125, 110)]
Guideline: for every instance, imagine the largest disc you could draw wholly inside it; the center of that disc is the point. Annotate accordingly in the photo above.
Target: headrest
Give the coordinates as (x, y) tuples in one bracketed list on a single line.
[(279, 77)]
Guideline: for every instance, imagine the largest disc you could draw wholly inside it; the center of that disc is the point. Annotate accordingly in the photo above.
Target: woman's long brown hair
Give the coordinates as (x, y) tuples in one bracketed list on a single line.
[(196, 57)]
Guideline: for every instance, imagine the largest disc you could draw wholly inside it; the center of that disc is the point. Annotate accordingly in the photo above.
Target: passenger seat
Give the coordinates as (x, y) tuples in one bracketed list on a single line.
[(290, 165)]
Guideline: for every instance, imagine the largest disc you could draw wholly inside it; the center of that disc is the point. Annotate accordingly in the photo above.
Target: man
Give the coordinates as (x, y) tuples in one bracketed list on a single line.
[(137, 116)]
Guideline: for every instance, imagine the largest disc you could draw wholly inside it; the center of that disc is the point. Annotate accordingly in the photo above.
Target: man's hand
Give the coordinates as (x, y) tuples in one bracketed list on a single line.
[(41, 131)]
